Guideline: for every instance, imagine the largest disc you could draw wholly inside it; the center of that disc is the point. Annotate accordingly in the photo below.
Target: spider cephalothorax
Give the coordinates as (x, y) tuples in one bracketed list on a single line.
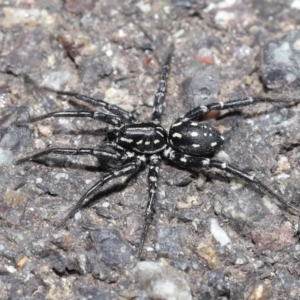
[(190, 143)]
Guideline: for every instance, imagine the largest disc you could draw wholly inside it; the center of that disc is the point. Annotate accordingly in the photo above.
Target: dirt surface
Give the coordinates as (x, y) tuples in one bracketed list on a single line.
[(212, 236)]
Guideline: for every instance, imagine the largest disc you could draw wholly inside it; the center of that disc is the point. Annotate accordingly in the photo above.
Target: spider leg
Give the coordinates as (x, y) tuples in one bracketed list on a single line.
[(101, 153), (152, 181), (251, 178), (200, 111), (196, 162), (128, 169), (121, 113), (97, 115), (160, 94)]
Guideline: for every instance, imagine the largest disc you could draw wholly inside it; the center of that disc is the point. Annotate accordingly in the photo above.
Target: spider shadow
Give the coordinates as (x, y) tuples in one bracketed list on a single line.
[(61, 163), (114, 187), (250, 186), (214, 176)]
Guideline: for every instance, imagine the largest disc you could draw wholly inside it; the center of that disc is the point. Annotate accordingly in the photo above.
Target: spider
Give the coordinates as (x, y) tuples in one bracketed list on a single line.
[(131, 144)]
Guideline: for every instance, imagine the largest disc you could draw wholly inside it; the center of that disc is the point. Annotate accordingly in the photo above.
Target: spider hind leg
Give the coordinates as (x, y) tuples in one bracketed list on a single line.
[(195, 163)]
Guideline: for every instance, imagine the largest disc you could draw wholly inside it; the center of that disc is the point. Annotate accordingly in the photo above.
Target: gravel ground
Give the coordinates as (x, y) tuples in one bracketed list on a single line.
[(212, 236)]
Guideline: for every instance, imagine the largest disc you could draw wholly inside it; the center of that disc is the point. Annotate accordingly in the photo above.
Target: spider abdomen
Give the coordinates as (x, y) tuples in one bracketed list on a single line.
[(195, 138), (145, 138)]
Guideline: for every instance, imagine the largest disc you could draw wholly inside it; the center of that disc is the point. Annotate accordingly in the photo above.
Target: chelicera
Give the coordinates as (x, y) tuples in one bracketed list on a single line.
[(190, 143)]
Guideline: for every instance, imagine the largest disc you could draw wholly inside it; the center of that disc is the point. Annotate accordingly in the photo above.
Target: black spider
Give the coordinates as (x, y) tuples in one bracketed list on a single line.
[(190, 143)]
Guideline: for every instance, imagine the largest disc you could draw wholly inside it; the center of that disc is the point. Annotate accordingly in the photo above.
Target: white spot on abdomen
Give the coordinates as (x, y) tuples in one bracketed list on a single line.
[(178, 135), (194, 133)]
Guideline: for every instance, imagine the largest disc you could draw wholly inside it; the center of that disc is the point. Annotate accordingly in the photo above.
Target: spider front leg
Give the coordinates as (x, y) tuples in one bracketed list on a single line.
[(121, 113), (152, 181), (128, 169), (195, 162), (199, 111), (109, 119)]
